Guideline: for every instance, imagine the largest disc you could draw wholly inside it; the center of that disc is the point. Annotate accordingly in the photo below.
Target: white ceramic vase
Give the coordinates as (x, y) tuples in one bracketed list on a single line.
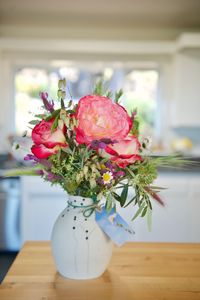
[(81, 250)]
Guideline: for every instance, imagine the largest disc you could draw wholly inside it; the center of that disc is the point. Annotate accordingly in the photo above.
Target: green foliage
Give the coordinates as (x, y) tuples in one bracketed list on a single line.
[(118, 95), (135, 128), (139, 211), (34, 122), (109, 203), (55, 123), (99, 88), (146, 172), (124, 195), (53, 115)]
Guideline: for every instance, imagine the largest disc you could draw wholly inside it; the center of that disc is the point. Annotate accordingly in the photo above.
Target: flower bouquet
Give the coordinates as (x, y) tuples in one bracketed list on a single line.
[(93, 151)]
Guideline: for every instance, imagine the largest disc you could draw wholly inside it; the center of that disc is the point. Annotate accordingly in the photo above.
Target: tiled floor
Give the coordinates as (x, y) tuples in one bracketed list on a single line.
[(6, 260)]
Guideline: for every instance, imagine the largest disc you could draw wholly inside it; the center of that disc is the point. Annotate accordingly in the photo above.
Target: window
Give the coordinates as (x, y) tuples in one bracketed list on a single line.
[(139, 86), (140, 92)]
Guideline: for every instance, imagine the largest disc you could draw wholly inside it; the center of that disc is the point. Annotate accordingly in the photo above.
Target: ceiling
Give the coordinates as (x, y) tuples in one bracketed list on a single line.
[(122, 13)]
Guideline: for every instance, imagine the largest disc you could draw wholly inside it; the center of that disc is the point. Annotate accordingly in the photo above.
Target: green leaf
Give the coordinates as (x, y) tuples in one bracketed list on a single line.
[(34, 122), (109, 94), (117, 197), (71, 186), (158, 188), (149, 218), (70, 103), (55, 124), (24, 134), (60, 83), (138, 212), (124, 195), (99, 90), (59, 93), (70, 111), (118, 95), (40, 116), (108, 204), (144, 211), (150, 205), (64, 82), (53, 115), (135, 129), (62, 103), (130, 201)]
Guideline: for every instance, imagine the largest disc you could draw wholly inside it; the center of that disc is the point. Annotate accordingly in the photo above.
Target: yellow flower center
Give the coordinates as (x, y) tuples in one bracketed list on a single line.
[(107, 177)]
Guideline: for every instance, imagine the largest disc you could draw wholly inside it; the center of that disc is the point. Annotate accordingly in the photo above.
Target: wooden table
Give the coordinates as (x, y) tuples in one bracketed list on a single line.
[(137, 271)]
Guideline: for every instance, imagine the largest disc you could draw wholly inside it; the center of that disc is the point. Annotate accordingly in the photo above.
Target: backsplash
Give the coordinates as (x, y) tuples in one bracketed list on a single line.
[(192, 134)]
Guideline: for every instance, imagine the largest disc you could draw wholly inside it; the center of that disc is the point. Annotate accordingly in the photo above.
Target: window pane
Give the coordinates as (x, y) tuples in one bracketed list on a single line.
[(140, 91), (139, 87), (28, 84)]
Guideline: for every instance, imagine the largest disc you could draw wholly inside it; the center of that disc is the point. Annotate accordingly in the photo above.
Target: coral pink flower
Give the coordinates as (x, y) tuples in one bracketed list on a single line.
[(40, 151), (45, 141), (99, 118), (124, 152)]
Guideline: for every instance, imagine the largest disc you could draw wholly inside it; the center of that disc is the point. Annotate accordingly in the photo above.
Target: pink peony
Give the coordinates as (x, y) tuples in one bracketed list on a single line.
[(124, 152), (45, 141), (99, 118)]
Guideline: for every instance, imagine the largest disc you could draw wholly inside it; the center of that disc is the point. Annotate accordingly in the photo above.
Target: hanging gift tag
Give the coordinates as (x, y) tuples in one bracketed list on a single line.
[(114, 226)]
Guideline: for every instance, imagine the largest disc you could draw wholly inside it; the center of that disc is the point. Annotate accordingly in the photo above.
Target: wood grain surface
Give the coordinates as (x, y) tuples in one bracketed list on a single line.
[(136, 271)]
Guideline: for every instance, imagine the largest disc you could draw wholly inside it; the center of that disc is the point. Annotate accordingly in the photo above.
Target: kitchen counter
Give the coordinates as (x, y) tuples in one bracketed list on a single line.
[(137, 271)]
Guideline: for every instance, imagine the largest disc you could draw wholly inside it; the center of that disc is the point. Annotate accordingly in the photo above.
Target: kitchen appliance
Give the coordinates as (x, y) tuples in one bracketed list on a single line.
[(10, 214)]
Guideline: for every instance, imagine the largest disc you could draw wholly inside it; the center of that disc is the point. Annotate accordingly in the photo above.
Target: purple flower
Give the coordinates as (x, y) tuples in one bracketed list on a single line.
[(110, 166), (46, 163), (49, 105), (39, 172), (119, 174), (101, 144), (52, 177), (30, 157), (133, 114), (100, 181)]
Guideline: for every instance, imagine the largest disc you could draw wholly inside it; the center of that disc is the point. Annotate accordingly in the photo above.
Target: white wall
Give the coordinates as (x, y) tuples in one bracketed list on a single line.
[(7, 108)]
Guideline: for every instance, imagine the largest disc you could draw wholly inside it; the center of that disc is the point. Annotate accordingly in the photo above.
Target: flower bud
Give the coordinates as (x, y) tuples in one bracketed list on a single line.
[(85, 170), (60, 124), (92, 183), (59, 93)]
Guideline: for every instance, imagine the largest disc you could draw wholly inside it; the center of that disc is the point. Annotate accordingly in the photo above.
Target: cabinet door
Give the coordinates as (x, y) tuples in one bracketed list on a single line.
[(174, 222), (169, 223), (186, 104), (41, 205), (193, 210)]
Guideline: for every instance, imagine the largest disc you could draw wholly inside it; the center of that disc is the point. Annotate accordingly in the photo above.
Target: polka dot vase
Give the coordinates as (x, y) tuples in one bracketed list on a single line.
[(81, 250)]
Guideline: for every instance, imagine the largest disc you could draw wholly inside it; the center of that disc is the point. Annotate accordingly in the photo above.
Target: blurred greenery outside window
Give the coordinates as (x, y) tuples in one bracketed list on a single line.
[(139, 86)]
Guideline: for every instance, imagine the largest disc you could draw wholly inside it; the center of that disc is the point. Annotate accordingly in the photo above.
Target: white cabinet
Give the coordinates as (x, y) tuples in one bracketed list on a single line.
[(179, 220), (41, 204), (186, 104)]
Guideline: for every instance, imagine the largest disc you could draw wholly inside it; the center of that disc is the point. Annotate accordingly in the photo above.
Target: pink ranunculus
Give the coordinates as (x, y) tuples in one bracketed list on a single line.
[(98, 118), (124, 152), (45, 141), (40, 151)]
